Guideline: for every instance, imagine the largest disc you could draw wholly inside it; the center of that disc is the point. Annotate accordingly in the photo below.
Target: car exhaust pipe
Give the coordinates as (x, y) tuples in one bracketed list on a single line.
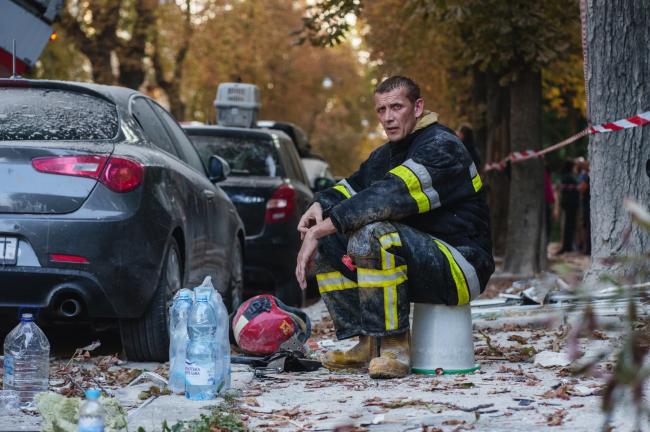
[(69, 308)]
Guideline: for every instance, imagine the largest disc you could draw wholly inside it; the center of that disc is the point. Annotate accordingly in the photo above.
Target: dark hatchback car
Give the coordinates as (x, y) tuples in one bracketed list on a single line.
[(270, 189), (106, 210)]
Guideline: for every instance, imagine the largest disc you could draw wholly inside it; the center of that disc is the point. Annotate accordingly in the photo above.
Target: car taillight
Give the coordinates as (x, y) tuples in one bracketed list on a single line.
[(118, 174), (282, 204), (68, 259), (122, 175), (81, 166)]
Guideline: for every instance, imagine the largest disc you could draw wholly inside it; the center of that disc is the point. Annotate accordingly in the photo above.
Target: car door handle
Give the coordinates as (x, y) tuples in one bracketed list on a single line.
[(208, 194)]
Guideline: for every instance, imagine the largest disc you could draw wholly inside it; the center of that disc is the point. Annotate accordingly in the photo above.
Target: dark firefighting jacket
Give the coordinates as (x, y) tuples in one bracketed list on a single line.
[(427, 181)]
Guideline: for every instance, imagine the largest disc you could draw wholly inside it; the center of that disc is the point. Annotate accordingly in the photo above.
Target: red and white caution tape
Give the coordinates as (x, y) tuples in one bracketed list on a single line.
[(637, 120), (630, 122)]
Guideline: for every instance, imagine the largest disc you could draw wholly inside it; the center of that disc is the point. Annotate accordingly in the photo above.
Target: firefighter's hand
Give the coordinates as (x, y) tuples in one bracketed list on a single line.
[(313, 216), (309, 245)]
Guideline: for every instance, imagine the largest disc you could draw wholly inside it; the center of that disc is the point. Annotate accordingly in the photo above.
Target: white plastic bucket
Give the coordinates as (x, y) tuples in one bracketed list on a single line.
[(441, 340)]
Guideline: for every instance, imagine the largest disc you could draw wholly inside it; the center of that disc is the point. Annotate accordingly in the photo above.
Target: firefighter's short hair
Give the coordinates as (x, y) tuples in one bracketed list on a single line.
[(397, 81)]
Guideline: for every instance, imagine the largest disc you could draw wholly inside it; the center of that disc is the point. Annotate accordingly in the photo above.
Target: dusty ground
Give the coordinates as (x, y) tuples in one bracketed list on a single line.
[(510, 392)]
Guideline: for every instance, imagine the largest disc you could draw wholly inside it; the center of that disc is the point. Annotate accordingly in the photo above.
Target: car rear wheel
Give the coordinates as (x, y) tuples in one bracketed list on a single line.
[(235, 294), (147, 338)]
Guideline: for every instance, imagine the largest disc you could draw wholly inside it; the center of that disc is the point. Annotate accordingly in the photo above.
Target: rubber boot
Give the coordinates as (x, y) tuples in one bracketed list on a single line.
[(356, 357), (395, 358)]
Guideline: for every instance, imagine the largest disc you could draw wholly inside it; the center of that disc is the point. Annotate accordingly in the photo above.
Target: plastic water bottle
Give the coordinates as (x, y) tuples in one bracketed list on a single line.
[(91, 413), (202, 352), (178, 317), (27, 360), (222, 336)]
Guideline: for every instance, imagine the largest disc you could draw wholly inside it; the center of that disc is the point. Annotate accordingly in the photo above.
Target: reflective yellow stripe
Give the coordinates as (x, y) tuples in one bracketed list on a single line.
[(333, 281), (457, 274), (477, 183), (390, 307), (371, 278), (343, 190), (414, 187), (389, 240)]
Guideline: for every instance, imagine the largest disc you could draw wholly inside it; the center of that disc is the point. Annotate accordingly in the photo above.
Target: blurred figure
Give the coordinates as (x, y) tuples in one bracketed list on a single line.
[(549, 202), (585, 219), (466, 135), (569, 203)]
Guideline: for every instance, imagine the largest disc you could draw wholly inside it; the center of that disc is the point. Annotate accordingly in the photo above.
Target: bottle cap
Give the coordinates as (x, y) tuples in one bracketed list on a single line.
[(92, 393), (26, 317)]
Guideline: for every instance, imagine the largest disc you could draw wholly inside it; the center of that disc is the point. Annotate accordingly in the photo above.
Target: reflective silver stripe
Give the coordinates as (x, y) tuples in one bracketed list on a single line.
[(425, 180), (369, 278), (346, 185), (472, 170), (469, 271), (389, 292)]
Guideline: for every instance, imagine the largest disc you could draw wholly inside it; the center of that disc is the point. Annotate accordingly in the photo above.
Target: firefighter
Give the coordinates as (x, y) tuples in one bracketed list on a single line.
[(411, 225)]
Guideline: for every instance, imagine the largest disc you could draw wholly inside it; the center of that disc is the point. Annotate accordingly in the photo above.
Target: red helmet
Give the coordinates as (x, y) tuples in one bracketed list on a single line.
[(263, 323)]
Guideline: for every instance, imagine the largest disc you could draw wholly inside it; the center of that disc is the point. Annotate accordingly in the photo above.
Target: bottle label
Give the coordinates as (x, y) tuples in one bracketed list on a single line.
[(91, 424), (9, 370), (198, 375)]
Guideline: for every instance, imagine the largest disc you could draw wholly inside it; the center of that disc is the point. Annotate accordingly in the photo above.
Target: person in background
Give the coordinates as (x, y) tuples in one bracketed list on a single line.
[(549, 202), (569, 203), (466, 135), (583, 189)]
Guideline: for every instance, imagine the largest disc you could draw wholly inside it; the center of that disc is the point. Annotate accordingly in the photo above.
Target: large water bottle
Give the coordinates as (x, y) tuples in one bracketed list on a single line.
[(223, 331), (91, 413), (178, 318), (223, 334), (27, 360), (202, 358)]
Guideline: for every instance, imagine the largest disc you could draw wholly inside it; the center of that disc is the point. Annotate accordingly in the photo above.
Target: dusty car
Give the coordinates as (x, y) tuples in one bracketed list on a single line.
[(106, 209), (270, 189)]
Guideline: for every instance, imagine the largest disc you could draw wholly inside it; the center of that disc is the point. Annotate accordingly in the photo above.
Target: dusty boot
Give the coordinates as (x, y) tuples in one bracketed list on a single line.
[(395, 358), (356, 357)]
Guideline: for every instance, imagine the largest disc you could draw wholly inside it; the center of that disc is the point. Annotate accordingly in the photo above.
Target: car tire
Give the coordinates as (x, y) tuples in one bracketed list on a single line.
[(234, 297), (291, 294), (147, 338)]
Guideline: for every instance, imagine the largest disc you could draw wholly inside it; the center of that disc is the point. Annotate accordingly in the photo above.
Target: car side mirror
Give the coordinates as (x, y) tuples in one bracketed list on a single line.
[(218, 170), (322, 183)]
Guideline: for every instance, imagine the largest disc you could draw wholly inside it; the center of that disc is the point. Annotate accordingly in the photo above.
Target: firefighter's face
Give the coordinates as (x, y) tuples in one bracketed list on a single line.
[(397, 114)]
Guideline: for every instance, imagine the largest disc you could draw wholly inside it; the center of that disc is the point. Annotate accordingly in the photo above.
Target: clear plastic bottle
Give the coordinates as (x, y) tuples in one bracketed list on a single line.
[(91, 413), (26, 360), (178, 318), (202, 357), (223, 332)]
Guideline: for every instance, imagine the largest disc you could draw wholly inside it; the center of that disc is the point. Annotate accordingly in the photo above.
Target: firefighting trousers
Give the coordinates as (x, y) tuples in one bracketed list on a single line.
[(393, 265)]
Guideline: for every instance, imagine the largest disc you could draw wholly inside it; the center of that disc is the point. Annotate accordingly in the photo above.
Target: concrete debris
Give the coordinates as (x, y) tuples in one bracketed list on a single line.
[(549, 359)]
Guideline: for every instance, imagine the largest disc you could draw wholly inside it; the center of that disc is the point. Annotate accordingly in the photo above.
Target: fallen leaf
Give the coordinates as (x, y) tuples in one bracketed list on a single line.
[(556, 418), (516, 338), (453, 422)]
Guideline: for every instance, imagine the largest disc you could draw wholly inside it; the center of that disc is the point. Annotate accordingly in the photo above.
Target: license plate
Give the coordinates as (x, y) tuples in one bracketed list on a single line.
[(8, 250)]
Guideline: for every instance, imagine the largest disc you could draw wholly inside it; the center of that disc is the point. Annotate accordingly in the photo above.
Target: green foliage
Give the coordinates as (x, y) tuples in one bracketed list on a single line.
[(631, 371), (223, 417), (61, 414), (326, 23)]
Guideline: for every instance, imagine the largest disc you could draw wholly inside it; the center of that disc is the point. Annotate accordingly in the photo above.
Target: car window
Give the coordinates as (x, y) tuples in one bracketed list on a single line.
[(50, 114), (245, 155), (183, 144), (150, 123), (292, 155)]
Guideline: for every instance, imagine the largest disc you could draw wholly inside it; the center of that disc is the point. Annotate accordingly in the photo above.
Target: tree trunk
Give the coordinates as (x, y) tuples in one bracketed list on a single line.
[(478, 112), (497, 148), (618, 37), (131, 53), (525, 246)]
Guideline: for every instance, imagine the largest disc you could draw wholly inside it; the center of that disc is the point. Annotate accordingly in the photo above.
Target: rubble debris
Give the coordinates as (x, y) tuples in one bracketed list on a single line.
[(552, 359)]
